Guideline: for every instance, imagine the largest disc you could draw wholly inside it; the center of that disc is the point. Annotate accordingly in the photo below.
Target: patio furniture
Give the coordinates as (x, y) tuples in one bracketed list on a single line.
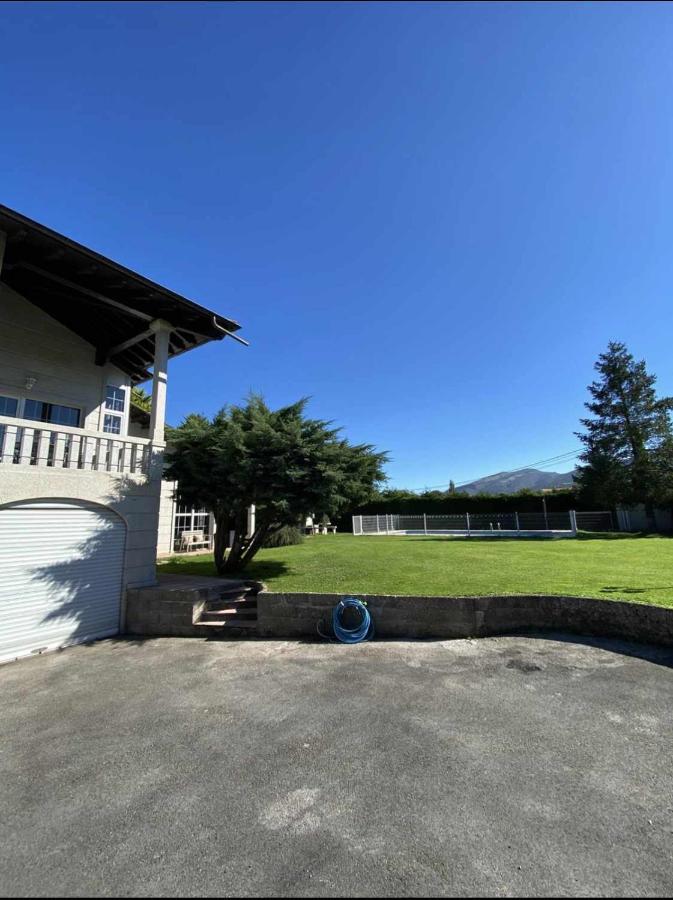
[(193, 540)]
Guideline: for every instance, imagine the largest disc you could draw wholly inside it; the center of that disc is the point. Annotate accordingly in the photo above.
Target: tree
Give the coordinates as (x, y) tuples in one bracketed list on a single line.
[(452, 487), (284, 463), (394, 494), (628, 442), (141, 398)]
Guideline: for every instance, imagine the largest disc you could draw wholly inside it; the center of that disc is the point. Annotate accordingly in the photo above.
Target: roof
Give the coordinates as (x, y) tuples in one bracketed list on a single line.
[(104, 303)]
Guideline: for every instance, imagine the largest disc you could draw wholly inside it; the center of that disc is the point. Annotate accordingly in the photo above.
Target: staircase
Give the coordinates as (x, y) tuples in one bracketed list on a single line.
[(233, 609)]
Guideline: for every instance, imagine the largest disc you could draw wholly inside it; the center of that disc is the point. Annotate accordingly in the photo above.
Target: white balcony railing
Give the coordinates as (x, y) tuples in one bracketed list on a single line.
[(27, 443)]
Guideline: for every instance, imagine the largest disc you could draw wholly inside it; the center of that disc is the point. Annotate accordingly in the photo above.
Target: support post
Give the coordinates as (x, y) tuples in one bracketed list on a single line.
[(518, 527), (467, 517), (162, 332), (573, 522), (251, 521), (425, 524)]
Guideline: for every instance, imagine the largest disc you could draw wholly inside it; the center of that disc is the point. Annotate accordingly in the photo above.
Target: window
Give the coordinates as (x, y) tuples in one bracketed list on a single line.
[(192, 529), (112, 424), (115, 397), (52, 413), (8, 406)]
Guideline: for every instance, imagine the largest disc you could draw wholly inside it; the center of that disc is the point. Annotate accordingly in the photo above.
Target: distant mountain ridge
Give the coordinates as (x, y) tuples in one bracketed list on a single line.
[(511, 482)]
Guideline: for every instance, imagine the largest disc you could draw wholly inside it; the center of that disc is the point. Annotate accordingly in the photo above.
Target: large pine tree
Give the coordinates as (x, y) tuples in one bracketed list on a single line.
[(628, 440)]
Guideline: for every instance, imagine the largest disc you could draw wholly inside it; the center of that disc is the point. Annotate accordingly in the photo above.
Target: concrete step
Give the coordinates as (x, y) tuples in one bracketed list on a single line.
[(231, 611), (227, 623), (228, 614), (234, 596), (234, 600)]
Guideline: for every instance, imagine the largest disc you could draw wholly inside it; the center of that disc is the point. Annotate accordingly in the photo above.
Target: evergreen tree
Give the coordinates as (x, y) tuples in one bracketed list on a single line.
[(628, 441), (141, 398), (284, 463)]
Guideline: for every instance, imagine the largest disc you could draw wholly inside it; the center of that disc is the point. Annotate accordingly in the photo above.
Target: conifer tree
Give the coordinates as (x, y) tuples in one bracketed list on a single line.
[(628, 440)]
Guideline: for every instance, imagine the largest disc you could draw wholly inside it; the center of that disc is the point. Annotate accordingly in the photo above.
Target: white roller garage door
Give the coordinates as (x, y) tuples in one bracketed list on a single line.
[(61, 568)]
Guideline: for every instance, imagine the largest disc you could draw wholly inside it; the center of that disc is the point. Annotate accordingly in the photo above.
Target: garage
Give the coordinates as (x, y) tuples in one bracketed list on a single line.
[(61, 575)]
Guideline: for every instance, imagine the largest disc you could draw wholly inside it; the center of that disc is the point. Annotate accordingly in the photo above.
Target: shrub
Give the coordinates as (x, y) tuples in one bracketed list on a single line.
[(285, 536)]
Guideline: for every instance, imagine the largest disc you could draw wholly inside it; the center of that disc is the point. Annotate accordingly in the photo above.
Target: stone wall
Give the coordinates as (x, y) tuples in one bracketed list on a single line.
[(173, 607), (154, 611), (297, 615)]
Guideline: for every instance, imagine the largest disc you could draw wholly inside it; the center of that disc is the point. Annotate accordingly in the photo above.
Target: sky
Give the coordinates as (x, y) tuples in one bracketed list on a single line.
[(428, 218)]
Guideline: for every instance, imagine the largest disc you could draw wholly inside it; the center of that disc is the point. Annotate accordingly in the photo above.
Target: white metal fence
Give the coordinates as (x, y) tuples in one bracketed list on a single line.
[(509, 523)]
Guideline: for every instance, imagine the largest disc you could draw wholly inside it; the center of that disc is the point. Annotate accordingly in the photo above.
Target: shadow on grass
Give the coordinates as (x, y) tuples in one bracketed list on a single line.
[(258, 570), (618, 589)]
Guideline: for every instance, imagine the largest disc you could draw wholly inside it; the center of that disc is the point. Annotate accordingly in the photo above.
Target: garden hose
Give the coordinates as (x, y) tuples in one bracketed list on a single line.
[(363, 631)]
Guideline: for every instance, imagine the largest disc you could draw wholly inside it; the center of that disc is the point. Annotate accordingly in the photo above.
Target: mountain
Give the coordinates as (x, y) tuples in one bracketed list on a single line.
[(511, 482)]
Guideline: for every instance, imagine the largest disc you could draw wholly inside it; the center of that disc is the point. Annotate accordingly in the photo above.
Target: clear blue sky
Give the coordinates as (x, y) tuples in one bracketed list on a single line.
[(430, 218)]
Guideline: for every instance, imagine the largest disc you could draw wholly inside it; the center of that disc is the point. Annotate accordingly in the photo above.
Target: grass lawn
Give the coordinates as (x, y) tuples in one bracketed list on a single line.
[(628, 567)]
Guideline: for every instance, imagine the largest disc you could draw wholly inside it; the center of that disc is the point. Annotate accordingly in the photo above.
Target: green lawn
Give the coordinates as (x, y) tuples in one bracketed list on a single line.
[(635, 568)]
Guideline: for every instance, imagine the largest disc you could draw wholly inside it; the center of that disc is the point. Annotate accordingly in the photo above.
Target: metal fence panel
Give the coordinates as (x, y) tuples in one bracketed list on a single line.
[(468, 523)]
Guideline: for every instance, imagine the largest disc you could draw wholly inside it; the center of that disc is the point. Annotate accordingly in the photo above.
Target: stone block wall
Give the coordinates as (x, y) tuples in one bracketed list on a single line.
[(158, 611), (297, 615)]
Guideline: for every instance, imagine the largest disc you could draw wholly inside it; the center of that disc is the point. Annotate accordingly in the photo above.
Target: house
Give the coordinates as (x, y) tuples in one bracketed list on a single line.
[(183, 528), (80, 477)]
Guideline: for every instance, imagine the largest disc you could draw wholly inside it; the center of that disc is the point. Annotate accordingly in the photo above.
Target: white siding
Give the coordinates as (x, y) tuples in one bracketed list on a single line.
[(33, 344), (166, 518)]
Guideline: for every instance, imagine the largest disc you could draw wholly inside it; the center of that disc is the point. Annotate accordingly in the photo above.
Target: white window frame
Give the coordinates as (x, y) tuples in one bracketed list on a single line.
[(113, 415), (111, 380), (113, 409)]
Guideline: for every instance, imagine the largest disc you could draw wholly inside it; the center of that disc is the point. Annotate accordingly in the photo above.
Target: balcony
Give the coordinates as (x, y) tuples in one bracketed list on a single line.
[(27, 443)]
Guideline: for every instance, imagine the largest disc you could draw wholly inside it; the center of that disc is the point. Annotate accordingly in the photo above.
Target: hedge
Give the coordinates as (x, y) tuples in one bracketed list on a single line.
[(556, 501)]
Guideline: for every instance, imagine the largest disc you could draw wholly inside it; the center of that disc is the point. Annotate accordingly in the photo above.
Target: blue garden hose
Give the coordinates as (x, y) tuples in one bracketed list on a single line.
[(364, 631)]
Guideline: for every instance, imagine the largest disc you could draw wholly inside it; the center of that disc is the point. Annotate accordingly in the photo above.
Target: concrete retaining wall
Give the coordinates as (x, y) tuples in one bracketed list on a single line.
[(149, 611), (174, 605), (296, 616)]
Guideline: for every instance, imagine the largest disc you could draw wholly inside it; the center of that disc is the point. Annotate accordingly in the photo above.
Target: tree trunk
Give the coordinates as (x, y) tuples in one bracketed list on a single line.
[(239, 527), (255, 543), (222, 529)]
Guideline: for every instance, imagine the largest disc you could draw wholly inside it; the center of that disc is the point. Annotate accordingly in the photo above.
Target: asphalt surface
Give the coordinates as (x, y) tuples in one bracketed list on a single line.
[(510, 766)]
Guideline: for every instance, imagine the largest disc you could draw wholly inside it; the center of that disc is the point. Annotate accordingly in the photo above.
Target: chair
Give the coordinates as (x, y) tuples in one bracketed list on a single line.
[(193, 540)]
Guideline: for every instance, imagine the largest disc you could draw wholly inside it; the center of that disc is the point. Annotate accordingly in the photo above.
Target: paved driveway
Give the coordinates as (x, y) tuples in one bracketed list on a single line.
[(508, 766)]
